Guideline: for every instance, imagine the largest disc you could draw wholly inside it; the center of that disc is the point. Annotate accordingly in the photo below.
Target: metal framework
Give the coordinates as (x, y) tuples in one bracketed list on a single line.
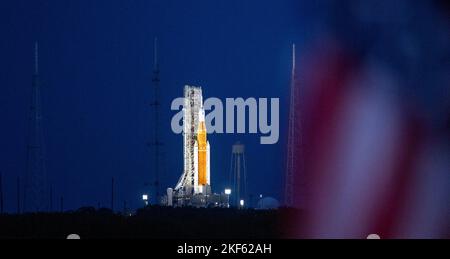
[(294, 139), (35, 193), (193, 101)]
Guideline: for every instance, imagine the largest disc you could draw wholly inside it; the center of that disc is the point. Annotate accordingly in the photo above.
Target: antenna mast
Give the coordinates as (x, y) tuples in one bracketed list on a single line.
[(112, 194), (1, 194), (155, 104)]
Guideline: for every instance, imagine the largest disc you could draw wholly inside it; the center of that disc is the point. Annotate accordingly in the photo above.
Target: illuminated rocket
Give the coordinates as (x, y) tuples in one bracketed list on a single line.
[(201, 156), (196, 174)]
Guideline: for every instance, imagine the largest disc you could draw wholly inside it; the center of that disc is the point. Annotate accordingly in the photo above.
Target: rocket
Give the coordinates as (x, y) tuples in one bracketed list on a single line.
[(201, 157)]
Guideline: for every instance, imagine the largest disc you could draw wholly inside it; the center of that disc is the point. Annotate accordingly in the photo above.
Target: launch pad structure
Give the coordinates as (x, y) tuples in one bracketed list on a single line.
[(194, 185)]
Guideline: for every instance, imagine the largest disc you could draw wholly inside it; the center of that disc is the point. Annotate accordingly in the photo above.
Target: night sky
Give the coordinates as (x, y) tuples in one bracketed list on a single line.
[(96, 68)]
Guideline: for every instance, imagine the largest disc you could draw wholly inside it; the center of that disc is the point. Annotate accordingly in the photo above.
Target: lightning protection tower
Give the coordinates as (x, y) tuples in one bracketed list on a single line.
[(156, 143), (35, 193), (294, 143)]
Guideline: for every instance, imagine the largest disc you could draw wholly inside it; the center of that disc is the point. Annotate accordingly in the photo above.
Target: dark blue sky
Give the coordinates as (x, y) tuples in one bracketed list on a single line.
[(95, 66)]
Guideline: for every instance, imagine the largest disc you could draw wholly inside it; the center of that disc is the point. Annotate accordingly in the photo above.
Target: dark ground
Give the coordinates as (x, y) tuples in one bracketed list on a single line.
[(151, 222)]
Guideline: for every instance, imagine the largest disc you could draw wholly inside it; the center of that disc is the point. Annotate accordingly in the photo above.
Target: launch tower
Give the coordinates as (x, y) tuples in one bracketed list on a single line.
[(196, 174), (194, 186)]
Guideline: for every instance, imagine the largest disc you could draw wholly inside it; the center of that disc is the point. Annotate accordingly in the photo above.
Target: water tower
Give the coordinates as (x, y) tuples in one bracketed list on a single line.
[(238, 174)]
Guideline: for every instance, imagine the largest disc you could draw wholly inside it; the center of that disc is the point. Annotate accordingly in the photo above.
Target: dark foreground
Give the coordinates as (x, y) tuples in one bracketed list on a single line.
[(152, 222)]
